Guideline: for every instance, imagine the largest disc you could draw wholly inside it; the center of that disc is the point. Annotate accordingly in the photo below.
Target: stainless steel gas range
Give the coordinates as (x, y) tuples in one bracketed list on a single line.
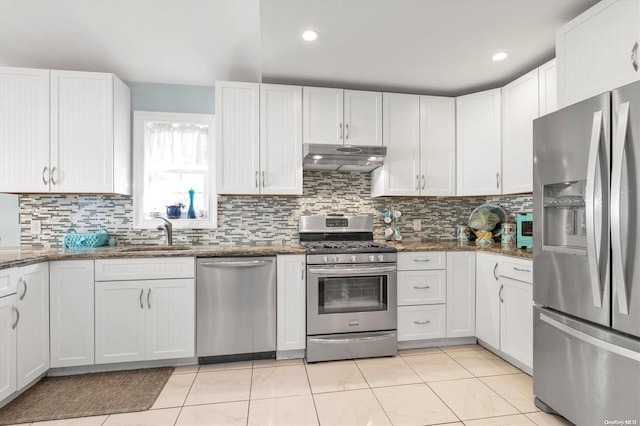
[(351, 289)]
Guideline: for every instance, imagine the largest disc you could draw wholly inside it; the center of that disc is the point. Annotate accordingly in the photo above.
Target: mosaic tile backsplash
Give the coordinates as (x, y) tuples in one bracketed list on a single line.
[(251, 219)]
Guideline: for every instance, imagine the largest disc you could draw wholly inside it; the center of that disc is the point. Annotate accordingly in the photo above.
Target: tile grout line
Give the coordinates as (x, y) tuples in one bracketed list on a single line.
[(313, 399), (195, 377), (250, 386)]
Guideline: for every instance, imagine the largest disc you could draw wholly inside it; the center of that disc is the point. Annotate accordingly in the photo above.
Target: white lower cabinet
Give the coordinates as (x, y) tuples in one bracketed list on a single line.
[(71, 299), (421, 296), (33, 323), (291, 302), (8, 324), (146, 318), (504, 316), (461, 297)]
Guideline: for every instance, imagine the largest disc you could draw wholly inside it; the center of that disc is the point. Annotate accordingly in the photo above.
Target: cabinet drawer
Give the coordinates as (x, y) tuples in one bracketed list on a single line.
[(412, 261), (8, 283), (145, 268), (421, 322), (422, 287), (518, 269)]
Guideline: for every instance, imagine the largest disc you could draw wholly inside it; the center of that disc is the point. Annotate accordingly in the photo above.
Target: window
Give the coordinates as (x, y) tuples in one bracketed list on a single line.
[(174, 170)]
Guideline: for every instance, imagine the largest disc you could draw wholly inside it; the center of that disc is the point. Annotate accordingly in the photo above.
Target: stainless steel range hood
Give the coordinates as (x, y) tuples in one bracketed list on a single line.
[(343, 158)]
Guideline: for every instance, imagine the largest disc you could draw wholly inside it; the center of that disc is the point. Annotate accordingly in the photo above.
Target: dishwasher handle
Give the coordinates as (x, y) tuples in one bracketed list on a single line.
[(236, 264)]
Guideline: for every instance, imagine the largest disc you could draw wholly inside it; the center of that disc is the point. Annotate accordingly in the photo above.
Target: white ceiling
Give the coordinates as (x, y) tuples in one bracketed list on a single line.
[(416, 46)]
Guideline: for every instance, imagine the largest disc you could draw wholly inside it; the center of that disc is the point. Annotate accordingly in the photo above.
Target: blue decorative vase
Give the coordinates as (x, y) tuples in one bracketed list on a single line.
[(191, 213), (174, 212)]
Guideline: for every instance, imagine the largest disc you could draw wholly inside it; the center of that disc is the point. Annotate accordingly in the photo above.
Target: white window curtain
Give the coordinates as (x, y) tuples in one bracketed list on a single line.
[(176, 144)]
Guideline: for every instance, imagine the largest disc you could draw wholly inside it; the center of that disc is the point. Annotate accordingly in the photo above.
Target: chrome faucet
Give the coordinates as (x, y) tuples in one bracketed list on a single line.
[(167, 226)]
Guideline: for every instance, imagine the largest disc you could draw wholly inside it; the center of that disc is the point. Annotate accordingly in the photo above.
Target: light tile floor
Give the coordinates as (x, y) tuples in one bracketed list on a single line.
[(460, 385)]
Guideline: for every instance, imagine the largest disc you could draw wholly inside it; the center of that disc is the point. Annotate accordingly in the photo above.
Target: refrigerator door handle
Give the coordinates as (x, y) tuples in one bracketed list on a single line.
[(592, 238), (619, 279)]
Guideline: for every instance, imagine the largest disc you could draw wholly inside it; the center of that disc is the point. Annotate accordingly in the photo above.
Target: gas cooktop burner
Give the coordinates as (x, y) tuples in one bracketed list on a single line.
[(347, 247)]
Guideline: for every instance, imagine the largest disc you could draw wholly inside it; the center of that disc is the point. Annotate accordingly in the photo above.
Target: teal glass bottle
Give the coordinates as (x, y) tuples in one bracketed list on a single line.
[(191, 213)]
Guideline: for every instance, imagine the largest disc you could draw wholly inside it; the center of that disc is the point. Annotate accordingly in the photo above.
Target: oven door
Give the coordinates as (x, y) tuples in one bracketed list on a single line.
[(351, 298)]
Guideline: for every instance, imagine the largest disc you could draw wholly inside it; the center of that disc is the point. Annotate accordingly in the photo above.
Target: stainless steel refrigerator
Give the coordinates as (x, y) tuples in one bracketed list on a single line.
[(586, 257)]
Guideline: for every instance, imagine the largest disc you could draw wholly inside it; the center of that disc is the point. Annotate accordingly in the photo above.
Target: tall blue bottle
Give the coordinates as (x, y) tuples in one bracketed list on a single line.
[(191, 213)]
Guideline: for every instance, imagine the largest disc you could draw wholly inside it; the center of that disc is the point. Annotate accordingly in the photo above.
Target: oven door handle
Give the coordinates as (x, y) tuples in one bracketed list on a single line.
[(351, 339), (350, 270)]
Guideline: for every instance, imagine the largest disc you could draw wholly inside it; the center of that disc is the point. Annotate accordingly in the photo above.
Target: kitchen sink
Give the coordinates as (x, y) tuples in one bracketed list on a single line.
[(153, 248)]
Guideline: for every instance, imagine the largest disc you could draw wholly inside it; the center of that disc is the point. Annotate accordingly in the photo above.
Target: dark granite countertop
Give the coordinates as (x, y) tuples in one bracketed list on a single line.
[(26, 255)]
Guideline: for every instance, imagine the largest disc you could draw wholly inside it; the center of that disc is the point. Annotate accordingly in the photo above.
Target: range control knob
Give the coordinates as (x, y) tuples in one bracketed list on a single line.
[(354, 259), (325, 259), (380, 258), (334, 259), (372, 258)]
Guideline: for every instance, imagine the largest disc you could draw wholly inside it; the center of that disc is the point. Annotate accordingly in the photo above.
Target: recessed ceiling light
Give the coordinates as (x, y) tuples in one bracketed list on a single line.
[(499, 56), (310, 35)]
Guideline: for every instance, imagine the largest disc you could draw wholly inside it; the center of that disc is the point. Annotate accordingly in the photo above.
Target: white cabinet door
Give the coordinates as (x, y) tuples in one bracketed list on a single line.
[(362, 118), (478, 132), (437, 146), (421, 322), (8, 320), (596, 51), (120, 321), (400, 174), (170, 324), (24, 130), (322, 115), (547, 88), (516, 329), (280, 139), (33, 327), (291, 302), (488, 299), (71, 302), (461, 294), (238, 137), (519, 109), (81, 131)]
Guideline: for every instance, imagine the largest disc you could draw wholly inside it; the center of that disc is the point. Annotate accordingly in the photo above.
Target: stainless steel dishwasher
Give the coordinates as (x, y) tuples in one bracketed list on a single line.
[(236, 308)]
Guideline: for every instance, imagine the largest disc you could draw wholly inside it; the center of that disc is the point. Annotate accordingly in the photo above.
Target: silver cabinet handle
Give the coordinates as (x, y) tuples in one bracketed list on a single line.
[(46, 182), (422, 322), (302, 271), (141, 305), (421, 287), (521, 269), (424, 182), (619, 142), (346, 131), (263, 179), (53, 181), (634, 56), (15, 324), (495, 271), (593, 240), (24, 293), (497, 180), (417, 184), (422, 260), (256, 180), (340, 128), (500, 294), (148, 296)]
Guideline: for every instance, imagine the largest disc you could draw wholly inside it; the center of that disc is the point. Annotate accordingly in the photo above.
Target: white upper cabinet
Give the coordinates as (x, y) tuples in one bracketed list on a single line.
[(478, 129), (24, 130), (362, 118), (65, 132), (437, 146), (400, 174), (598, 50), (519, 109), (238, 137), (547, 88), (337, 116), (259, 138), (280, 139)]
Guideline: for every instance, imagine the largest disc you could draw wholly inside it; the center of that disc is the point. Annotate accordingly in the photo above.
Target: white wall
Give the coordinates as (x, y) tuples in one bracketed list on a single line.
[(9, 220)]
